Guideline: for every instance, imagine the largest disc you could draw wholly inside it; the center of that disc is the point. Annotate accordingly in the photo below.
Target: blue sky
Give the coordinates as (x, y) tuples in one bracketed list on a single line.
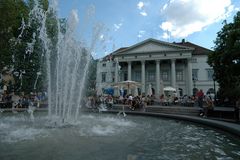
[(123, 23)]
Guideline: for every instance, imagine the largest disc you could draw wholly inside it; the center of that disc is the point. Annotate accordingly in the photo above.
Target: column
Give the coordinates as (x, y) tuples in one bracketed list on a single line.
[(173, 73), (129, 70), (116, 71), (190, 83), (157, 78), (143, 76)]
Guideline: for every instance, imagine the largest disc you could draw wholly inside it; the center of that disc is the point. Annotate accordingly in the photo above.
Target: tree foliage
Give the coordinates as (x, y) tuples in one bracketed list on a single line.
[(11, 14), (21, 49), (225, 59)]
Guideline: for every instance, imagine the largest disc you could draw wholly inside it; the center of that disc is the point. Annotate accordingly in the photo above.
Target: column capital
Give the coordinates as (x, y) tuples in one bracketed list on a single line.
[(129, 62), (173, 60), (158, 60), (142, 61)]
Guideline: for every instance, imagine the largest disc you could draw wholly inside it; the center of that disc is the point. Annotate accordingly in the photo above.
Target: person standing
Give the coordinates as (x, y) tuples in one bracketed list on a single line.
[(209, 106), (237, 109), (200, 96)]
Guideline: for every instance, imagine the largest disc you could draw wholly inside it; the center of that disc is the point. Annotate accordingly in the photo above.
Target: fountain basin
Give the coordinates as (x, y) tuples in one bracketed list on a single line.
[(104, 136)]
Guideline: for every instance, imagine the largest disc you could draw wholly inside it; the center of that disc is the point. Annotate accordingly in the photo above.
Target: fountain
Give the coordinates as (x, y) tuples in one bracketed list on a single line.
[(67, 65), (97, 136)]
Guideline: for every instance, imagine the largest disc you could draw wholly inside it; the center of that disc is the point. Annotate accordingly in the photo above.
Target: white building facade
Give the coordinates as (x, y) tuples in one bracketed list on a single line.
[(156, 63)]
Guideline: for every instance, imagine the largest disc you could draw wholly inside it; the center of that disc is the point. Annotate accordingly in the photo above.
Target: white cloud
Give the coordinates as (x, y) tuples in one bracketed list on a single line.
[(166, 26), (143, 13), (165, 35), (117, 26), (141, 33), (140, 5), (184, 17)]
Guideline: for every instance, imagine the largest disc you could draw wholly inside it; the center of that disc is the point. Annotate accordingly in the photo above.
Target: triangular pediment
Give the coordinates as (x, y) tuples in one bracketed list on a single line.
[(152, 45)]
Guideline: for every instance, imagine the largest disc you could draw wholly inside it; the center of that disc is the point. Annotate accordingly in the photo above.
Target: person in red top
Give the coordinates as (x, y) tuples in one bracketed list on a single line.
[(200, 96)]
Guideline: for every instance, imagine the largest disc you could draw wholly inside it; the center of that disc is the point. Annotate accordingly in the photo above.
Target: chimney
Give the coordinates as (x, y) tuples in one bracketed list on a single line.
[(183, 40)]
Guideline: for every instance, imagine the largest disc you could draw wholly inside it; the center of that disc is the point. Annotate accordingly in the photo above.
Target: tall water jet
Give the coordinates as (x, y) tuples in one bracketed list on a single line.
[(66, 59)]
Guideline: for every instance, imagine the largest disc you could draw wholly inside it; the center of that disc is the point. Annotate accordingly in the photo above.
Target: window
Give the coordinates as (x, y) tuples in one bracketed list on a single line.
[(104, 74), (137, 76), (165, 75), (125, 76), (195, 74), (194, 60), (209, 74), (114, 64), (104, 64), (113, 76), (151, 76), (179, 76)]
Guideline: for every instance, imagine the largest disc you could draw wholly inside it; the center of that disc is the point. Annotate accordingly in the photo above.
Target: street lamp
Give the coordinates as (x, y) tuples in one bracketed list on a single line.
[(194, 85), (214, 86)]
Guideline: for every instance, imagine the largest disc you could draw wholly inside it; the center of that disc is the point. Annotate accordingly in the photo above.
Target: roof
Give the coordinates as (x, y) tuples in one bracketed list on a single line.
[(151, 40), (198, 50), (110, 56)]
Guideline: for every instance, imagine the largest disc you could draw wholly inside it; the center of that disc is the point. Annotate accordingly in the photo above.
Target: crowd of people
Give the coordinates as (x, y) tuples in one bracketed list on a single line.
[(21, 100), (133, 102), (142, 101), (204, 101)]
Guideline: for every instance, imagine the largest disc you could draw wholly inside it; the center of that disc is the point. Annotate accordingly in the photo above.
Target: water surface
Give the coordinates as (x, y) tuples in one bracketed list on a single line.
[(103, 136)]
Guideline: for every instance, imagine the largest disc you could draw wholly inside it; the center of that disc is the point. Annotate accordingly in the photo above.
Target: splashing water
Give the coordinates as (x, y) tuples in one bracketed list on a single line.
[(67, 64)]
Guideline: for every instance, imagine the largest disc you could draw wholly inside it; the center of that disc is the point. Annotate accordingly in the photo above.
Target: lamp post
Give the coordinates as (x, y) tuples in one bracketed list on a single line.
[(194, 85), (214, 87)]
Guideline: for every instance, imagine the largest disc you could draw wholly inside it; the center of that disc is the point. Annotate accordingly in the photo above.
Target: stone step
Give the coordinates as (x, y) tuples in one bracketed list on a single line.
[(174, 110), (171, 110), (163, 109)]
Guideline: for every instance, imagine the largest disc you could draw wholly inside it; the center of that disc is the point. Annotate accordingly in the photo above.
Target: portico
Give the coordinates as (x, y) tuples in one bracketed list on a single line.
[(148, 67), (153, 59)]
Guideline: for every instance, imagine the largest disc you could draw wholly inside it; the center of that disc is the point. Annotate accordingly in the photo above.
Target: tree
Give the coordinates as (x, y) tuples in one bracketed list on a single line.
[(11, 14), (225, 59), (20, 46)]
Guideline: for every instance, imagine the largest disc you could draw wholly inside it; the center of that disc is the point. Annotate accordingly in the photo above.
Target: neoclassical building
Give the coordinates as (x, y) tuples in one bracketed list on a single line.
[(151, 62)]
